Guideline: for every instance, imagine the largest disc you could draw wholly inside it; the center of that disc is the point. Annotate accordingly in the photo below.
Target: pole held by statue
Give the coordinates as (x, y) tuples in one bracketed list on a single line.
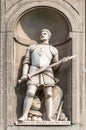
[(63, 60)]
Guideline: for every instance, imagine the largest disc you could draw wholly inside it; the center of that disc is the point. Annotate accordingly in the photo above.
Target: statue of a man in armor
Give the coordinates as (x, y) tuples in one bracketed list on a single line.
[(36, 57)]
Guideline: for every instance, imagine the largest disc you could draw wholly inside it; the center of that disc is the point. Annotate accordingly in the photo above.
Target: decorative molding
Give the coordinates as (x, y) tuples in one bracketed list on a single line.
[(45, 123), (71, 6)]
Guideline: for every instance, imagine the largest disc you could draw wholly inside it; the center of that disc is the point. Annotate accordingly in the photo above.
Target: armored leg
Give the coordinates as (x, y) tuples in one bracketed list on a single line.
[(48, 102), (28, 102)]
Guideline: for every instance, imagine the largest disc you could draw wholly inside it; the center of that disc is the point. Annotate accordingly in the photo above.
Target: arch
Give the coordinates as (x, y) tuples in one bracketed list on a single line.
[(42, 17), (70, 15), (63, 7)]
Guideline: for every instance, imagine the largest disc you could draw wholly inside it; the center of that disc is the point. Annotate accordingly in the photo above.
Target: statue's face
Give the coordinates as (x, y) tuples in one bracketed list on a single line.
[(44, 36)]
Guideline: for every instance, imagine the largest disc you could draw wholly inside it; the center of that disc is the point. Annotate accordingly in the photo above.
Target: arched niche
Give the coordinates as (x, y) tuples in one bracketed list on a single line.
[(27, 32), (29, 25)]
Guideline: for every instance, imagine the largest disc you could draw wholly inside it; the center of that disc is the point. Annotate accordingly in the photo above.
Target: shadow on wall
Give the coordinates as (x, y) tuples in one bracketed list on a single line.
[(30, 25)]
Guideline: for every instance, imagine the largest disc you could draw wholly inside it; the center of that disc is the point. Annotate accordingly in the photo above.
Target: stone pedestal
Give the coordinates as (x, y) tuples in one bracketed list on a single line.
[(20, 25)]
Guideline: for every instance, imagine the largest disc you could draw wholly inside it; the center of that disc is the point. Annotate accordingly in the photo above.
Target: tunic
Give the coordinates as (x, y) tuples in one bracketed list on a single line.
[(38, 56)]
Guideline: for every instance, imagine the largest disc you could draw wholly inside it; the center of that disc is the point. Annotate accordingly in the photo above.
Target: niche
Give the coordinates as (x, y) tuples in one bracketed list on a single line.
[(27, 32)]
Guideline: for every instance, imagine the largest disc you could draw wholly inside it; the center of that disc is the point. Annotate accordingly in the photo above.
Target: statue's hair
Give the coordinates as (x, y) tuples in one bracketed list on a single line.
[(46, 30)]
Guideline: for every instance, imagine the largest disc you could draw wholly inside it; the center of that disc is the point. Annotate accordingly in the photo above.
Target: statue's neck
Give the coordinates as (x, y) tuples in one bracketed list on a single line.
[(45, 42)]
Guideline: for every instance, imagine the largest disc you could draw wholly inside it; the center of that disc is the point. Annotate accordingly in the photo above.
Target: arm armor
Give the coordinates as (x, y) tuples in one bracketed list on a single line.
[(27, 57), (55, 58)]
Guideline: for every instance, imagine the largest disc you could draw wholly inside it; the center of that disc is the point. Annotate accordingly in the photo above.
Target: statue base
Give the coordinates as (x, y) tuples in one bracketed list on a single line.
[(43, 123)]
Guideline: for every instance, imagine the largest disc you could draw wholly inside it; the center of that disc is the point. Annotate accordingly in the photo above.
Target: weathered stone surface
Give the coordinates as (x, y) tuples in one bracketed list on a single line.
[(75, 4), (37, 113), (71, 1), (7, 60), (10, 4), (57, 96), (36, 105)]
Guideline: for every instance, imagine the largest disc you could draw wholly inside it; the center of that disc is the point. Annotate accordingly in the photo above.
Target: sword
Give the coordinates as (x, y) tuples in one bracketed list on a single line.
[(65, 59)]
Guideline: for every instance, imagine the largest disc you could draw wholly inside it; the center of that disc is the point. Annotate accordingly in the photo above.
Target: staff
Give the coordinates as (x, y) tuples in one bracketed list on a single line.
[(65, 59)]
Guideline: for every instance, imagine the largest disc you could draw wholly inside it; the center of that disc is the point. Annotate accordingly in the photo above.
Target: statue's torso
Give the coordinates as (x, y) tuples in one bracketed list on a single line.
[(41, 56)]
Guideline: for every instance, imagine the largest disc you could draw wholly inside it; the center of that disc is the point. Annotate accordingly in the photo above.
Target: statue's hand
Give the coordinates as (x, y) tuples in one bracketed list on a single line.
[(24, 77), (29, 76)]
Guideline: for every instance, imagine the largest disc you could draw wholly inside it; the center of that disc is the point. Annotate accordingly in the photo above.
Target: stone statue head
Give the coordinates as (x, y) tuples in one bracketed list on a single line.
[(45, 35)]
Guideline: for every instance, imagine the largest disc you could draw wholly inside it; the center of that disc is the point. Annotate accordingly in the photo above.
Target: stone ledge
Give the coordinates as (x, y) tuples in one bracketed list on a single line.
[(58, 123)]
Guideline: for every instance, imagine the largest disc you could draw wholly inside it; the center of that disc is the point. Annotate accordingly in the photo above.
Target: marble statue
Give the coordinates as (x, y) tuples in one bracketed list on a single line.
[(37, 57)]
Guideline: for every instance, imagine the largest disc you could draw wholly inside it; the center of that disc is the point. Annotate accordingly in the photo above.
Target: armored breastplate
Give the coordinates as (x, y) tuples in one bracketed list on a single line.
[(41, 56)]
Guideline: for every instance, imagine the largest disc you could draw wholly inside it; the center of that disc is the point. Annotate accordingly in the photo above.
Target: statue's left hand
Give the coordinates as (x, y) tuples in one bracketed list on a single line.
[(23, 78)]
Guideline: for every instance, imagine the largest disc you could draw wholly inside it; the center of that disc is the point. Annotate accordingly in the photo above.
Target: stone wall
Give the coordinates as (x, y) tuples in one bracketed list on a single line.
[(11, 12)]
